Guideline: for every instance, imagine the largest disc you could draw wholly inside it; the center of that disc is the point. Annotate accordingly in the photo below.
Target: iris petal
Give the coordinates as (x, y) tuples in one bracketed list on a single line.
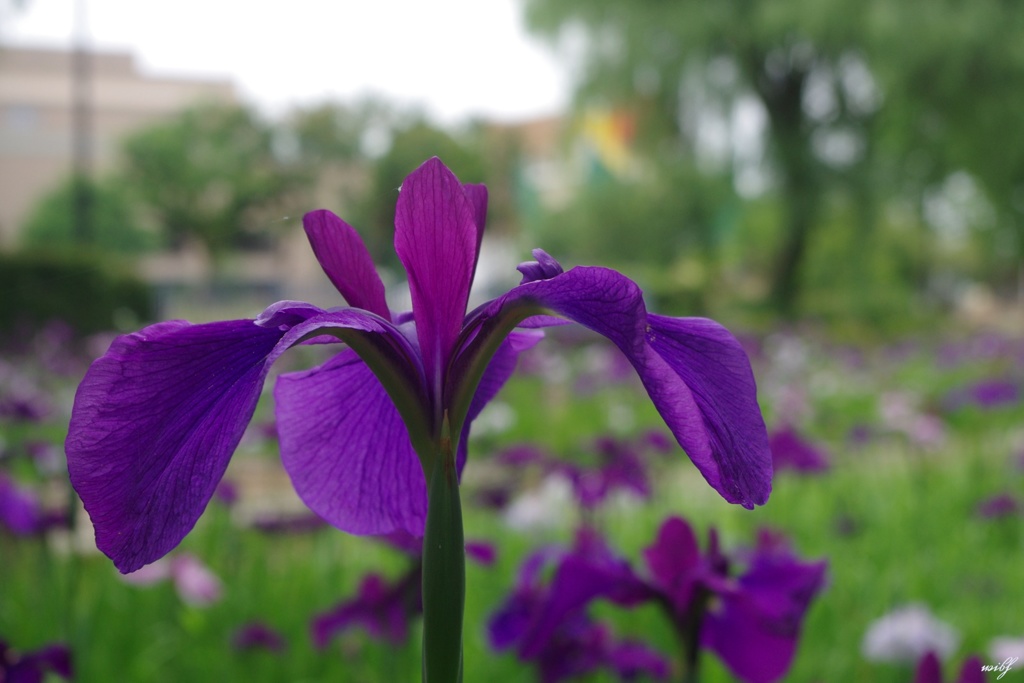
[(156, 418), (696, 373), (346, 261), (154, 424), (347, 451), (436, 240)]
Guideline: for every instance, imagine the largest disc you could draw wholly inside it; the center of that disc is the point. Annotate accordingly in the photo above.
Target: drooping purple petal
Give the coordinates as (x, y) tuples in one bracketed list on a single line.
[(346, 261), (347, 451), (157, 418), (154, 424), (436, 240), (694, 370), (715, 368)]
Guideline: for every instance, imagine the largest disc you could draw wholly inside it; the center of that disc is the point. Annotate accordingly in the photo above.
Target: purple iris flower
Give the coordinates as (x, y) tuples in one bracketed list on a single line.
[(575, 645), (370, 434), (32, 667), (752, 621), (157, 417)]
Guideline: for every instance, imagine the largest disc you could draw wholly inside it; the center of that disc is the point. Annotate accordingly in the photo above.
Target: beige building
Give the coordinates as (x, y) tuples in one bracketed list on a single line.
[(37, 100)]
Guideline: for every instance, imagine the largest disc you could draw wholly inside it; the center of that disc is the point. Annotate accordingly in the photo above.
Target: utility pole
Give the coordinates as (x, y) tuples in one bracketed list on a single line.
[(81, 130)]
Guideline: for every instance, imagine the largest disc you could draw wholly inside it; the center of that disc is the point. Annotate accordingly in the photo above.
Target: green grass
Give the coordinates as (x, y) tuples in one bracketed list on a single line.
[(909, 533)]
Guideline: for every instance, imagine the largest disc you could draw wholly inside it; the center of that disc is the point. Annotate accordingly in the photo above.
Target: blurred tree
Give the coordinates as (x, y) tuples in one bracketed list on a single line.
[(410, 146), (332, 132), (213, 175), (115, 227), (876, 98)]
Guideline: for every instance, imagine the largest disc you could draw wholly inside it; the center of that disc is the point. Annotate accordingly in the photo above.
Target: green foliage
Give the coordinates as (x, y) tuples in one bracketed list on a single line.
[(84, 291), (112, 225), (210, 175), (877, 101)]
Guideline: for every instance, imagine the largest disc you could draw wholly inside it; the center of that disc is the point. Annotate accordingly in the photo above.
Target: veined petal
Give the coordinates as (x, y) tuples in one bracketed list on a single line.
[(715, 368), (347, 451), (157, 418), (346, 261), (695, 372), (154, 424), (436, 240)]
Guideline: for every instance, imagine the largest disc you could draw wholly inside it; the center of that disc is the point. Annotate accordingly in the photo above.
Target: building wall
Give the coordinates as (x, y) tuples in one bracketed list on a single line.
[(36, 119)]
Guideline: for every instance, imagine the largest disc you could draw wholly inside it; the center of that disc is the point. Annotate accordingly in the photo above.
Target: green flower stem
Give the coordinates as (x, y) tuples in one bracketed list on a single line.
[(444, 569)]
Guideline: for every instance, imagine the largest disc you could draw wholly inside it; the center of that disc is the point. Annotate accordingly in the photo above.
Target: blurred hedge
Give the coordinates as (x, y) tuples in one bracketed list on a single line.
[(81, 289)]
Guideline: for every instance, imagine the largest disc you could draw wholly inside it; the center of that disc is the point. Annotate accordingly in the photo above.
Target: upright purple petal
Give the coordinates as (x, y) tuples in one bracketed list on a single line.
[(436, 240), (154, 424), (673, 561), (694, 370), (347, 451), (346, 261)]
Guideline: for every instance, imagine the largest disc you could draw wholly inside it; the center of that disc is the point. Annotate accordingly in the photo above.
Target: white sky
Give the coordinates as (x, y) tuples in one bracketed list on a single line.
[(455, 57)]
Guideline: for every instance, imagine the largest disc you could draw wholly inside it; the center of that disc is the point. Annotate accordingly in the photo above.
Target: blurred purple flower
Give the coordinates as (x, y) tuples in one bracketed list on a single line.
[(791, 451), (752, 621), (32, 667), (383, 608), (226, 493), (999, 506), (929, 670), (22, 513), (157, 418), (613, 464), (986, 394), (257, 635), (573, 646)]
